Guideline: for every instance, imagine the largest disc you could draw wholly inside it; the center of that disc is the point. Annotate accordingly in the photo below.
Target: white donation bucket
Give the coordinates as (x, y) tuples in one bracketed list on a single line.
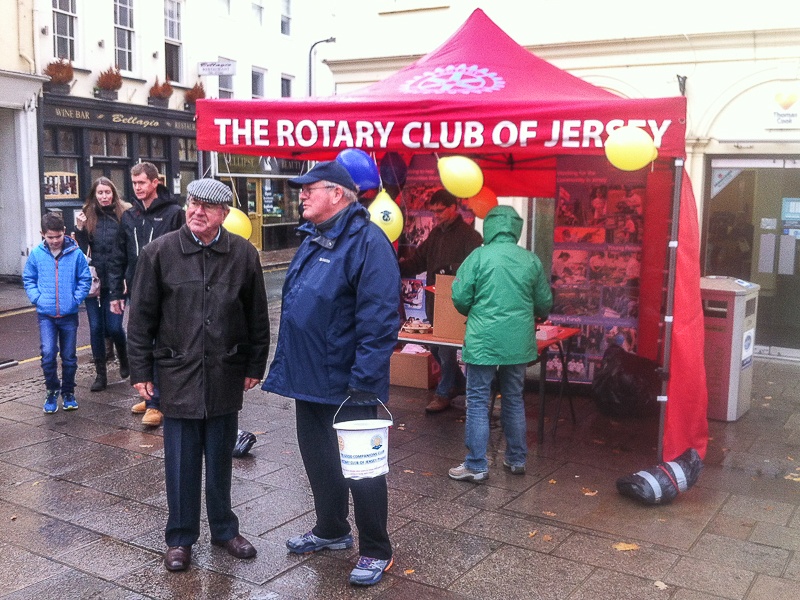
[(363, 446)]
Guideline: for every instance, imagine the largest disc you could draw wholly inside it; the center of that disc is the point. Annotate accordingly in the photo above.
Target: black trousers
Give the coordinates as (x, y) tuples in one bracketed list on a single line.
[(319, 447), (186, 443)]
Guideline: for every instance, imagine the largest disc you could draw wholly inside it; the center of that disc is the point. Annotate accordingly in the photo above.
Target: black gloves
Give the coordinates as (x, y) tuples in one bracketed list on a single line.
[(360, 398)]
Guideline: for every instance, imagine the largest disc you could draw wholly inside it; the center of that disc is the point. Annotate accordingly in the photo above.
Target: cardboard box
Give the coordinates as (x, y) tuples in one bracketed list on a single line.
[(412, 370), (447, 321)]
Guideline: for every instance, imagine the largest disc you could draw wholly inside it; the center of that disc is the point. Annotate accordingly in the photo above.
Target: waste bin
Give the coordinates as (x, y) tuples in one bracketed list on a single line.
[(730, 306)]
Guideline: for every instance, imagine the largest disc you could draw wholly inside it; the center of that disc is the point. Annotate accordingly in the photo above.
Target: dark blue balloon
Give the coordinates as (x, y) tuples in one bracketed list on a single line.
[(361, 167), (393, 169)]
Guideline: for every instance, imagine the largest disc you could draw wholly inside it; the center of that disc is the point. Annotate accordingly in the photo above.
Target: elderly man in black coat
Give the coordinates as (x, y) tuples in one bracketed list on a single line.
[(199, 314)]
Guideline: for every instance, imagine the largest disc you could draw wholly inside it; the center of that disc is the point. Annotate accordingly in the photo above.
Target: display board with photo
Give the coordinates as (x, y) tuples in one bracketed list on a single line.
[(597, 257), (422, 180)]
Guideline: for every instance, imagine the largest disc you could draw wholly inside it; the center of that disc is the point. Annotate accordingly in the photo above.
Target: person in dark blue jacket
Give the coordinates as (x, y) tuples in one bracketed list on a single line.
[(339, 324), (57, 279)]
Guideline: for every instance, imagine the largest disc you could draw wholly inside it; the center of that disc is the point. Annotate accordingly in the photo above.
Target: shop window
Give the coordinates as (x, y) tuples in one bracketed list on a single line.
[(123, 34), (48, 140), (64, 20), (60, 150), (172, 41), (154, 149), (188, 174), (286, 87), (111, 143), (187, 149)]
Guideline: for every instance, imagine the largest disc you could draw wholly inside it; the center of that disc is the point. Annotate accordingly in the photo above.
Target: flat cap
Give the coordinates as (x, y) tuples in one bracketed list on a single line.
[(326, 171), (210, 190)]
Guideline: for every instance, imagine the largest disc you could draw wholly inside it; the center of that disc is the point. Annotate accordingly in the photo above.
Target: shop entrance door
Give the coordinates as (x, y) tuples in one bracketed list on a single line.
[(752, 231)]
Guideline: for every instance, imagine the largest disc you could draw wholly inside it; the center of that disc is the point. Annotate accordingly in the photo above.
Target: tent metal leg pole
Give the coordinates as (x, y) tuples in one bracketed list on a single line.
[(668, 316)]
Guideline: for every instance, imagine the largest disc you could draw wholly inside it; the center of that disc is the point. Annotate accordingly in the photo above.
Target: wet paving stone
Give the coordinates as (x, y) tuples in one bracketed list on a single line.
[(741, 554), (525, 533), (154, 581), (19, 435), (709, 577), (124, 520), (612, 585), (73, 584), (108, 558), (438, 556), (40, 533), (20, 568), (525, 574), (58, 498), (646, 561)]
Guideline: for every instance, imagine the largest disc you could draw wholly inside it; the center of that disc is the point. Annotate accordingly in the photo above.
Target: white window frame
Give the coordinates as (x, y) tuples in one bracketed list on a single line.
[(286, 17), (124, 27), (226, 81), (68, 11), (258, 78), (287, 79), (258, 13), (172, 36)]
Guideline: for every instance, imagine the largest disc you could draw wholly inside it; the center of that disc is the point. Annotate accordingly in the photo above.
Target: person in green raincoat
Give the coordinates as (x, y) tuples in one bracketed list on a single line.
[(501, 288)]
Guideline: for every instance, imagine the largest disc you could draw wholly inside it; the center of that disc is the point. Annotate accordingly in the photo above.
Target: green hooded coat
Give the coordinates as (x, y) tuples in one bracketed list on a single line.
[(501, 287)]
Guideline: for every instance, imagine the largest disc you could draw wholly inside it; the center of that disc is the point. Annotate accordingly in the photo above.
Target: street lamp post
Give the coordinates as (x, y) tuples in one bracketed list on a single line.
[(311, 58)]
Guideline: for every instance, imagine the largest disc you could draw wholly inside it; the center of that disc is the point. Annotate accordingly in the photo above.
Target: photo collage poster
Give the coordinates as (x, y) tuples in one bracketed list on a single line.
[(597, 255), (422, 181)]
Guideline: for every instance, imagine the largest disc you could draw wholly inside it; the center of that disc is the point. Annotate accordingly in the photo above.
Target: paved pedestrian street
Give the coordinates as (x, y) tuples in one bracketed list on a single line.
[(83, 506)]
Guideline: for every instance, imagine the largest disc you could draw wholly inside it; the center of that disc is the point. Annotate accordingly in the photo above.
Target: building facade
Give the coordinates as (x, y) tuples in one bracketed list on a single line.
[(738, 68), (58, 135)]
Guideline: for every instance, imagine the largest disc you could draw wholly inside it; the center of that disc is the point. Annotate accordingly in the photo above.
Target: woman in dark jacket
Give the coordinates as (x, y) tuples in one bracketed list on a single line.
[(97, 230)]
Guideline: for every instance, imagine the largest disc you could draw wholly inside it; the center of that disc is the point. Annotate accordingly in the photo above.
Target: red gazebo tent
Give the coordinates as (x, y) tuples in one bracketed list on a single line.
[(482, 95)]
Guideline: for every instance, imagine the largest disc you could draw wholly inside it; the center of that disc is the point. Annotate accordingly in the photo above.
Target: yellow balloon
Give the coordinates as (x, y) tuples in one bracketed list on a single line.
[(630, 148), (238, 223), (387, 215), (461, 176)]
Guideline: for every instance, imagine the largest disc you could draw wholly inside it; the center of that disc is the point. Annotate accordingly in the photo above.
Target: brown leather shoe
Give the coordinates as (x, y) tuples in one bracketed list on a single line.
[(438, 404), (139, 408), (238, 547), (177, 558), (152, 417)]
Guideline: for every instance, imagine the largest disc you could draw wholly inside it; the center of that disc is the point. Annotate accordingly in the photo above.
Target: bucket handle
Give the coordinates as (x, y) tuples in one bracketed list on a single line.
[(348, 398)]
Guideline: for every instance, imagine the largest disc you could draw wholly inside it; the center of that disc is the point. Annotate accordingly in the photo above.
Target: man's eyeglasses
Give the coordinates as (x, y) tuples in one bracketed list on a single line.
[(308, 189)]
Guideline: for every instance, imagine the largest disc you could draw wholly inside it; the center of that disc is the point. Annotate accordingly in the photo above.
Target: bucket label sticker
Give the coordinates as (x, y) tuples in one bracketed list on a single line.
[(376, 442), (341, 443)]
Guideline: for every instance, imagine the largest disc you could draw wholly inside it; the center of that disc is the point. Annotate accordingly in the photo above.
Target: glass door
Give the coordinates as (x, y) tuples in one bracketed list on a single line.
[(751, 231)]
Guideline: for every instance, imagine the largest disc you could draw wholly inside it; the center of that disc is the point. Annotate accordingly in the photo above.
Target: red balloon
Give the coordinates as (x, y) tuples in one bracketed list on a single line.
[(482, 202)]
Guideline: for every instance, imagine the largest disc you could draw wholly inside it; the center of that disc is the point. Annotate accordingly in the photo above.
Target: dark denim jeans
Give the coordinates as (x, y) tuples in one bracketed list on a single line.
[(102, 324), (59, 333)]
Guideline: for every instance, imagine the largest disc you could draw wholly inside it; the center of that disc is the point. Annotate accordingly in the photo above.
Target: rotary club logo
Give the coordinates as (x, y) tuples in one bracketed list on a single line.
[(341, 443), (376, 442), (452, 79)]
